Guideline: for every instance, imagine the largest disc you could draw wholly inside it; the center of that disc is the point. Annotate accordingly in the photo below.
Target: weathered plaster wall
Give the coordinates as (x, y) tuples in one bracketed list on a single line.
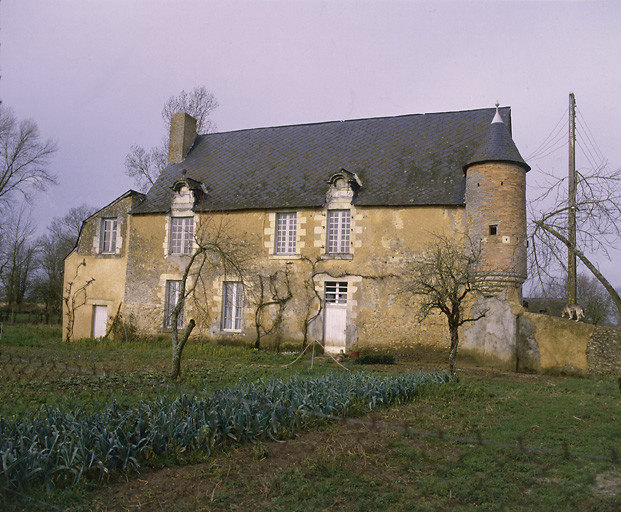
[(492, 340), (382, 241), (106, 270), (550, 343), (559, 343)]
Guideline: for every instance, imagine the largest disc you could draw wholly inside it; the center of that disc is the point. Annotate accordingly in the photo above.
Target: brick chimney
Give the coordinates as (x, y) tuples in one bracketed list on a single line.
[(182, 136)]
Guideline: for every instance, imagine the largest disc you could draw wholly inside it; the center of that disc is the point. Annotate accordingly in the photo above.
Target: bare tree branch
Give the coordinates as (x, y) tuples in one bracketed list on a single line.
[(442, 280), (216, 252), (598, 219), (199, 103), (145, 165), (24, 157)]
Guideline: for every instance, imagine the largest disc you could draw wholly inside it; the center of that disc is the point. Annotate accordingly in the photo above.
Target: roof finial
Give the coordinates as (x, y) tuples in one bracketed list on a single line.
[(497, 118)]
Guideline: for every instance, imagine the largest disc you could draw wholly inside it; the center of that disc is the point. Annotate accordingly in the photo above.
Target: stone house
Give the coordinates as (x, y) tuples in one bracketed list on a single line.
[(328, 215)]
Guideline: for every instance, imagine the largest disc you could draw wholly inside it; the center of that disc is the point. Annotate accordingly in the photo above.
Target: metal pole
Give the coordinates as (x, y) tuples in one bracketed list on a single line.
[(572, 287)]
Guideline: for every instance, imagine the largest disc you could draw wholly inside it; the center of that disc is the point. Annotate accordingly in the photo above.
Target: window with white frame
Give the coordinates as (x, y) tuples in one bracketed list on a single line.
[(173, 291), (338, 231), (181, 233), (286, 226), (336, 292), (232, 303), (107, 237)]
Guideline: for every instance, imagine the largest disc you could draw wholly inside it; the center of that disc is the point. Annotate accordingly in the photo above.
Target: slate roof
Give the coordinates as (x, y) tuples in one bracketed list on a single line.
[(497, 146), (405, 160)]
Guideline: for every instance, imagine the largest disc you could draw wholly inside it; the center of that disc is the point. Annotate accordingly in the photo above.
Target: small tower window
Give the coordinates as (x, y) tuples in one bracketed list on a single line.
[(493, 229)]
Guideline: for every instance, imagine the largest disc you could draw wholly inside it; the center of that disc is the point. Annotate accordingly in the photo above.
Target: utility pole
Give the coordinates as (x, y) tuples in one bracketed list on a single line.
[(572, 287)]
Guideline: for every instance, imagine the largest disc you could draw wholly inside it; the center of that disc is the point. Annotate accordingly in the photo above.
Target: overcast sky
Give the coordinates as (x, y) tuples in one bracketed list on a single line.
[(95, 74)]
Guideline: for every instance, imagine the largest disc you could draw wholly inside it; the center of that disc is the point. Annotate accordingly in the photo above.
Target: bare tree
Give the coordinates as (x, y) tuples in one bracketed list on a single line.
[(310, 297), (24, 157), (273, 294), (216, 252), (52, 248), (17, 259), (443, 279), (598, 225), (199, 103), (145, 165)]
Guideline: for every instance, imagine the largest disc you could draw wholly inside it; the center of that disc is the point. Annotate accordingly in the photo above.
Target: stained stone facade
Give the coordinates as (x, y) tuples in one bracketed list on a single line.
[(335, 209)]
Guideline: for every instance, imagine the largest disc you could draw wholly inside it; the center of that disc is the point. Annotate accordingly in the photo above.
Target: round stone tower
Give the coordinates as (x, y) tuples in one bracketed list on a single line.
[(496, 207)]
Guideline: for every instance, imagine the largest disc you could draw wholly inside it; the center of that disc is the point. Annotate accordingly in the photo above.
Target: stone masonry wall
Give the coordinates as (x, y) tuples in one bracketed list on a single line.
[(495, 195), (604, 350)]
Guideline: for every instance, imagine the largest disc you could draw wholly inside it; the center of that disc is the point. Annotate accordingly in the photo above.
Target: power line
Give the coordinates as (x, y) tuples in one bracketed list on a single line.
[(555, 133)]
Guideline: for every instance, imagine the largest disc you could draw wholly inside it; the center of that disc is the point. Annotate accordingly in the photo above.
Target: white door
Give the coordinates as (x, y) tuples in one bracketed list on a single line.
[(100, 318), (335, 316)]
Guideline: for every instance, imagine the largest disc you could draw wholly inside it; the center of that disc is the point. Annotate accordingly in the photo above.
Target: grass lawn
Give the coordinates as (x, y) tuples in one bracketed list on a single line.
[(337, 466)]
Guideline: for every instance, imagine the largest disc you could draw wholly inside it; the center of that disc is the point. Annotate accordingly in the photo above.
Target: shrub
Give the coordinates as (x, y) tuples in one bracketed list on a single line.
[(375, 359)]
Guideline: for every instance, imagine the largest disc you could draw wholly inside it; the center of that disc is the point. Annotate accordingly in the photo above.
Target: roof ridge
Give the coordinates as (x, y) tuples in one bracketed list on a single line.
[(358, 119)]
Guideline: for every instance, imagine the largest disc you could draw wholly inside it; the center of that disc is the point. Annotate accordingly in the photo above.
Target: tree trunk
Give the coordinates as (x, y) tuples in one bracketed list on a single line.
[(453, 351), (175, 371)]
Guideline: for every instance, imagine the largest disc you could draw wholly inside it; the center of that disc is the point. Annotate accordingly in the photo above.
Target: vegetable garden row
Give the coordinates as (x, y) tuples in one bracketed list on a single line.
[(59, 447)]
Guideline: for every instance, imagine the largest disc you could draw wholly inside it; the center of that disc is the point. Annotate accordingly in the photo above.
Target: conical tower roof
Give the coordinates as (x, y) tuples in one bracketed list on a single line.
[(497, 146)]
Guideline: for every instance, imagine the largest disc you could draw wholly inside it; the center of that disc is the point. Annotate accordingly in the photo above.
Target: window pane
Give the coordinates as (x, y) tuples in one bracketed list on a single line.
[(107, 243), (286, 227), (232, 306), (181, 235), (338, 231), (336, 292)]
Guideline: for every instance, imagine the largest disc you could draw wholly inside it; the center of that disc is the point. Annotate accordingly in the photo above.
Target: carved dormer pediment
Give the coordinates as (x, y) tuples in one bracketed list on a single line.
[(343, 185), (188, 192)]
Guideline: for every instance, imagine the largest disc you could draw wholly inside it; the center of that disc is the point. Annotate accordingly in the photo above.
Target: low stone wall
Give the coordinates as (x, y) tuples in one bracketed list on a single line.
[(552, 344)]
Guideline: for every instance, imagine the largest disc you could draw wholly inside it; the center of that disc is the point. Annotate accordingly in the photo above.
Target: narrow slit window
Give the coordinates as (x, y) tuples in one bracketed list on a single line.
[(493, 229)]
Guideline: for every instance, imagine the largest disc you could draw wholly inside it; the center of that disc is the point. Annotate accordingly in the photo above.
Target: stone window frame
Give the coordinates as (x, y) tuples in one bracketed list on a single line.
[(112, 232), (285, 235), (269, 234), (99, 235), (342, 188), (185, 243)]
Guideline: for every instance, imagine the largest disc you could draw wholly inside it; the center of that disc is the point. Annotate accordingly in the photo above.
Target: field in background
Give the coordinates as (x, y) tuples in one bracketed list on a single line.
[(340, 466)]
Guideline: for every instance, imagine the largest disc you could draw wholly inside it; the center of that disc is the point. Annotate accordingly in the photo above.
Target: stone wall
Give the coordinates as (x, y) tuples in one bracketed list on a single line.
[(378, 316), (554, 344), (604, 350)]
